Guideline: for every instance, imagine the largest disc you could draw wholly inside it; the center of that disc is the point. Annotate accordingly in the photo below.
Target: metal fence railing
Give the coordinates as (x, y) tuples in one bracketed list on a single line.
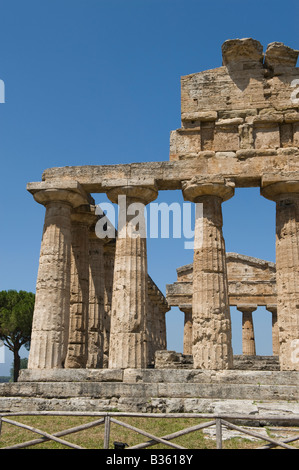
[(106, 418)]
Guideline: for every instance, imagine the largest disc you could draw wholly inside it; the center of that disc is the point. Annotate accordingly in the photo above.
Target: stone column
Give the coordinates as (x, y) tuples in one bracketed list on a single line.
[(156, 332), (163, 309), (109, 255), (161, 340), (128, 348), (286, 195), (248, 340), (95, 324), (151, 324), (50, 327), (156, 322), (79, 297), (212, 348), (275, 332), (187, 344)]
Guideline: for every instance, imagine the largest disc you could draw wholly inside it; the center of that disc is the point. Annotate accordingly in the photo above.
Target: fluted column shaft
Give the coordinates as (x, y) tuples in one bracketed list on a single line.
[(156, 322), (79, 292), (50, 327), (163, 334), (275, 331), (95, 324), (211, 330), (128, 336), (52, 301), (187, 340), (287, 280), (248, 339), (286, 196), (109, 256), (151, 325)]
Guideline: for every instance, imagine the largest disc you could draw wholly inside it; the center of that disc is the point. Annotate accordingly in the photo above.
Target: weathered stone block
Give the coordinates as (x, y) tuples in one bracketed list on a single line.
[(278, 53), (207, 135), (246, 136), (199, 116), (71, 375), (267, 136), (185, 142), (296, 135), (286, 135), (226, 138)]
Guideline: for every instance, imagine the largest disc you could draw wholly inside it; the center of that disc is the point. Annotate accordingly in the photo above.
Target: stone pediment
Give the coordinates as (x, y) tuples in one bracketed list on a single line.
[(251, 281)]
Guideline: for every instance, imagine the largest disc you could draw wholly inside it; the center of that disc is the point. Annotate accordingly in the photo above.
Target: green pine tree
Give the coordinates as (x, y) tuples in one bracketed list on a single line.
[(16, 313)]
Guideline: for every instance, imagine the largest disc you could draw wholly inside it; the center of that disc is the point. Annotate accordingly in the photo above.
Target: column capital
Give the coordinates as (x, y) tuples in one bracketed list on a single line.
[(69, 192), (246, 307), (84, 214), (199, 186), (274, 186), (143, 194), (185, 308), (142, 190), (271, 308)]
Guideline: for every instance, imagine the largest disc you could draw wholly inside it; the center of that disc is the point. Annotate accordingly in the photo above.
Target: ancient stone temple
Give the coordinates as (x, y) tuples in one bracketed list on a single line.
[(96, 306), (251, 283)]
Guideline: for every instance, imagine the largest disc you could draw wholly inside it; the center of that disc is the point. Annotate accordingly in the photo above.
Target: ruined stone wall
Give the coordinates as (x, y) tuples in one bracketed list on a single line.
[(242, 107)]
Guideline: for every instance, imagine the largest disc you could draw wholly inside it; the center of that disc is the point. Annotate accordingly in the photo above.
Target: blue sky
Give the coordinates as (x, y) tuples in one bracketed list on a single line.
[(98, 82)]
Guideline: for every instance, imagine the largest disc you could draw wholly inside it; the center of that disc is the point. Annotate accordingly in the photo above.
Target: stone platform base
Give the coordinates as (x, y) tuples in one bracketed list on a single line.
[(154, 390), (173, 360)]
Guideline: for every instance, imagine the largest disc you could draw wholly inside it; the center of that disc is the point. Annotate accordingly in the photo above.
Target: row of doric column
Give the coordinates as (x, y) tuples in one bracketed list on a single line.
[(248, 336), (61, 320), (157, 307), (95, 303), (211, 329)]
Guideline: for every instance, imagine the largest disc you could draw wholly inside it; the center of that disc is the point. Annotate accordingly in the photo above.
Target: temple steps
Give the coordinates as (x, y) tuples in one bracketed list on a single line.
[(154, 390), (220, 390), (146, 384)]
